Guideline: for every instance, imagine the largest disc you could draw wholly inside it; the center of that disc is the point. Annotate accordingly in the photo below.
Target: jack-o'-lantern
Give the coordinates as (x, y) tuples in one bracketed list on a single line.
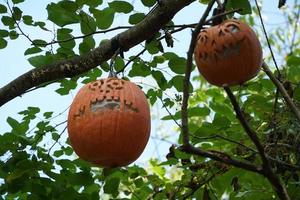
[(228, 54), (109, 122)]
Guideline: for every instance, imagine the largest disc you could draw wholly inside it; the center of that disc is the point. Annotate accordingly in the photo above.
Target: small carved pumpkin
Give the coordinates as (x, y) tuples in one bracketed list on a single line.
[(109, 122), (228, 54)]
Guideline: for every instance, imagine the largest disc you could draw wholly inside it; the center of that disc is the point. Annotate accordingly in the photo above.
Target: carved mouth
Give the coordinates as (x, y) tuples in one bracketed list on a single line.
[(105, 105), (111, 104)]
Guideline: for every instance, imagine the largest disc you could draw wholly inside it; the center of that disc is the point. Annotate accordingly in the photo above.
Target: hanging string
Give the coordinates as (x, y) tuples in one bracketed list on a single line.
[(112, 72)]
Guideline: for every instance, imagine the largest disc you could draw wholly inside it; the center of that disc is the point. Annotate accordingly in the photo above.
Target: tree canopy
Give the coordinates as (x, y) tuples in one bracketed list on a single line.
[(239, 142)]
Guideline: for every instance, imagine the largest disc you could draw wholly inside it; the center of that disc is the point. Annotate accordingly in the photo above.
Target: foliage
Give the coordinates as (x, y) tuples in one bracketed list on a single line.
[(34, 166)]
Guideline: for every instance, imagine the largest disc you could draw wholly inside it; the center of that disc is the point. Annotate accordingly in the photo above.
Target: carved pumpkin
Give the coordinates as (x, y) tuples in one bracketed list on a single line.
[(228, 54), (109, 122)]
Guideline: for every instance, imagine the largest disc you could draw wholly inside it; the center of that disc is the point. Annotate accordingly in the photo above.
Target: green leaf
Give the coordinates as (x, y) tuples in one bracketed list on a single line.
[(41, 60), (17, 1), (17, 13), (121, 6), (3, 43), (48, 115), (67, 164), (136, 18), (221, 121), (177, 65), (3, 33), (32, 50), (30, 113), (38, 42), (87, 23), (204, 1), (17, 127), (87, 44), (160, 79), (3, 8), (81, 178), (13, 35), (149, 3), (293, 60), (104, 18), (8, 21), (63, 35), (12, 122), (112, 185), (119, 63), (68, 151), (91, 3), (62, 13), (222, 109), (66, 86), (297, 93), (27, 19), (92, 75), (177, 82), (41, 25), (243, 4), (159, 59), (139, 69), (153, 47), (58, 153)]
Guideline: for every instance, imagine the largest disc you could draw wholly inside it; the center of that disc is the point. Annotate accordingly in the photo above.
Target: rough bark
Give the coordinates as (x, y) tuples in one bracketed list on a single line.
[(152, 23)]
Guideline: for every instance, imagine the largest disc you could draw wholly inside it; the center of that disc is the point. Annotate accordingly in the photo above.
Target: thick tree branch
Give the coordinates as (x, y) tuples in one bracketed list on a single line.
[(152, 23), (267, 169)]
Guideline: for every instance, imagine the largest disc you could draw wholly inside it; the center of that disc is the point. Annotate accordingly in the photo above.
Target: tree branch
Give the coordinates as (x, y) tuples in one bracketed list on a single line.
[(222, 157), (185, 99), (282, 90), (267, 169), (153, 22)]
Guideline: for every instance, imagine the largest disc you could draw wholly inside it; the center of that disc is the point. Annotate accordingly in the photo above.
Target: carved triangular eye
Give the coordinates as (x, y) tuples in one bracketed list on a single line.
[(213, 43), (203, 39)]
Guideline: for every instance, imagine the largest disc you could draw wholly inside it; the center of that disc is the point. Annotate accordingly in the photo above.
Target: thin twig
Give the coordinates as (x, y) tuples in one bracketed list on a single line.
[(267, 169), (282, 90), (295, 30), (17, 23), (226, 139), (86, 35), (184, 107), (57, 139), (267, 38), (131, 60), (170, 114), (52, 129)]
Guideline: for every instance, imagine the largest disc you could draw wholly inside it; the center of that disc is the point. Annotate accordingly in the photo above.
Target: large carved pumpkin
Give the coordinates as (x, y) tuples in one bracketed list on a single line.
[(228, 54), (109, 122)]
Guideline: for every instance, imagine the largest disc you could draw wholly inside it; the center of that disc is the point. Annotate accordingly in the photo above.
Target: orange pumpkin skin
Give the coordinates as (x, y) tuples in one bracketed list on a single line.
[(109, 122), (228, 54)]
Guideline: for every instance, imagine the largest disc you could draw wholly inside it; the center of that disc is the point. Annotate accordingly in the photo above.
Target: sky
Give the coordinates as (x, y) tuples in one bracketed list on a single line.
[(14, 63)]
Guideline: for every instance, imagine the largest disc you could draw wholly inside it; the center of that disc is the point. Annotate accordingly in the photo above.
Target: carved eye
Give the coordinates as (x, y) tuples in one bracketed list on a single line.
[(234, 28)]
